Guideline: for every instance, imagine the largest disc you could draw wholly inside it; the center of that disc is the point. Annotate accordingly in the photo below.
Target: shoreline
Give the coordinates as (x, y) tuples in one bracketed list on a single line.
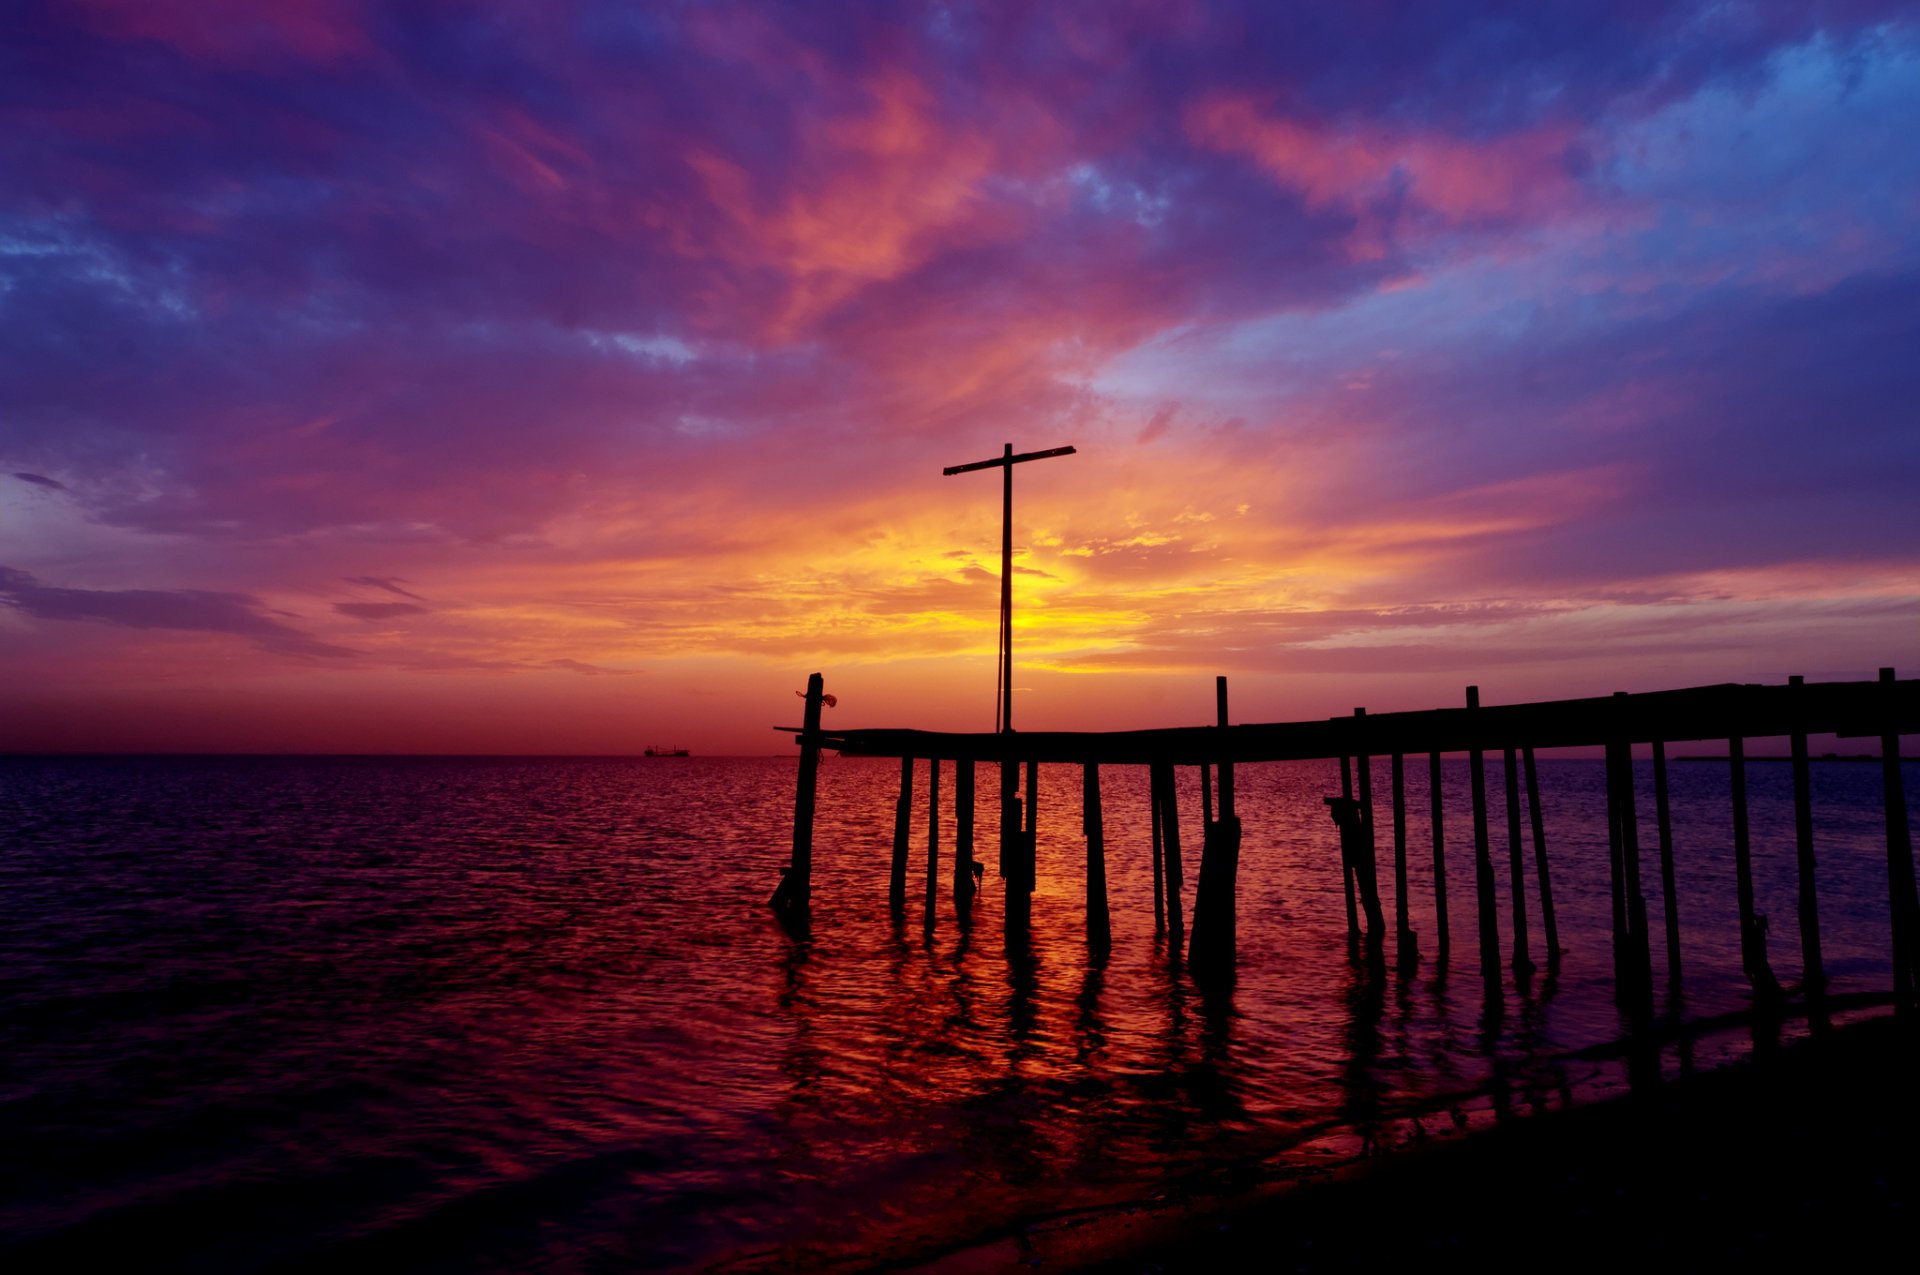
[(1807, 1148)]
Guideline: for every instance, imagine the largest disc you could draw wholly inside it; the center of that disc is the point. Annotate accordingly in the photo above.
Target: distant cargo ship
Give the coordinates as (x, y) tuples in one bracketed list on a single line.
[(657, 751)]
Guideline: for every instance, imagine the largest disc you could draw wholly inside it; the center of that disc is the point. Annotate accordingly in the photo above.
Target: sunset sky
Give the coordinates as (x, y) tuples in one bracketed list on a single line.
[(544, 377)]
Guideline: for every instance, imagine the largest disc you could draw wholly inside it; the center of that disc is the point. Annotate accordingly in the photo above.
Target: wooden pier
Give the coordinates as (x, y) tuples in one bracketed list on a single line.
[(1884, 709)]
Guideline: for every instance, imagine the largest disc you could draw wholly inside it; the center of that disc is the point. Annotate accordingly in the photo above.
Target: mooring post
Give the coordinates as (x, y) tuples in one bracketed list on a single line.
[(1406, 950), (1439, 857), (1516, 864), (902, 831), (794, 894), (933, 836), (963, 830), (1814, 972), (1212, 947), (1482, 853), (1669, 900), (1346, 861), (1170, 839), (1019, 894), (1159, 860), (1753, 928), (1902, 902), (1552, 931), (1093, 824)]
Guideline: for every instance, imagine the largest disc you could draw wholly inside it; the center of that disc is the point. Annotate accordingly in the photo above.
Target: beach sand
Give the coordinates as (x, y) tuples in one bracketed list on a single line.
[(1800, 1158)]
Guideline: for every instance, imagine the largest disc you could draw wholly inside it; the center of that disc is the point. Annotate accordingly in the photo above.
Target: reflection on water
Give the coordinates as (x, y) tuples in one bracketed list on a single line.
[(494, 1013)]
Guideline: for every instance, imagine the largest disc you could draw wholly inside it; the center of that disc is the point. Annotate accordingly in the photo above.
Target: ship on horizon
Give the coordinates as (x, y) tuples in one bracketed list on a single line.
[(655, 750)]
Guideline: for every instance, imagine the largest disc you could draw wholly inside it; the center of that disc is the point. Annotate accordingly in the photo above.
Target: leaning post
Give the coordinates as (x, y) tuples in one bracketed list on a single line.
[(1445, 936), (1407, 950), (1669, 898), (1212, 947), (933, 836), (963, 831), (1551, 930), (794, 895)]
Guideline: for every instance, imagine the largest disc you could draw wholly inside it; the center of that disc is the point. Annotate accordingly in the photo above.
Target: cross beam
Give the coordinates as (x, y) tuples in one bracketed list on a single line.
[(1003, 709)]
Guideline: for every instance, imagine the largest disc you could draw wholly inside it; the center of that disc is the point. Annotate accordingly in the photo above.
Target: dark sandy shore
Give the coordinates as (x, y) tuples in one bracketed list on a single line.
[(1802, 1158)]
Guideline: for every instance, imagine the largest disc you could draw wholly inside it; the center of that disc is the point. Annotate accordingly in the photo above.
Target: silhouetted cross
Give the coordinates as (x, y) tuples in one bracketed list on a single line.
[(1003, 710)]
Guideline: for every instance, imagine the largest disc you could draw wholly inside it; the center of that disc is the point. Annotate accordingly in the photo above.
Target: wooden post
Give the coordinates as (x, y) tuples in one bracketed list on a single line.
[(933, 836), (1170, 840), (1669, 898), (1093, 824), (1630, 870), (1406, 951), (902, 830), (1753, 935), (1516, 864), (794, 894), (1552, 931), (1366, 861), (1903, 905), (1030, 844), (1615, 879), (1346, 861), (1439, 856), (1214, 903), (1159, 859), (1813, 968), (1482, 855), (963, 830), (1019, 895)]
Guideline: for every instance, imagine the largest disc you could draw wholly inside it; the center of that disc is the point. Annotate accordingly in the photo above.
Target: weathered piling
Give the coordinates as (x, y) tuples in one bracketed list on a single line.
[(1163, 785), (963, 858), (1445, 936), (794, 895), (1093, 825), (1813, 967), (1366, 853), (902, 832), (1030, 836), (1669, 899), (1019, 890), (1548, 926), (1482, 855), (1212, 947), (1616, 875), (1638, 946), (933, 836), (1753, 927), (1903, 903), (1159, 854), (1516, 864), (1347, 867), (1406, 952)]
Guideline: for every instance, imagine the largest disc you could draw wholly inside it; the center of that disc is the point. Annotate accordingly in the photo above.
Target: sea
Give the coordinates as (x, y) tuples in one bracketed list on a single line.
[(505, 1014)]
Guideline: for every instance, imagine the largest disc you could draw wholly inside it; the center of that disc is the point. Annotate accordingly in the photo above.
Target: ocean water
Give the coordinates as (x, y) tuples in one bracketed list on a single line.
[(501, 1014)]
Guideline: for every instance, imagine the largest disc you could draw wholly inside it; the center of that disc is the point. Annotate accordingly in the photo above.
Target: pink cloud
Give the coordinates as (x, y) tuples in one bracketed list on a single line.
[(1356, 168), (237, 31)]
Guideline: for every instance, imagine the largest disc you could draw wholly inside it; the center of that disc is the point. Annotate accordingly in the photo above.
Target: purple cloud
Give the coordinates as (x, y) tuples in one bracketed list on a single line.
[(190, 610)]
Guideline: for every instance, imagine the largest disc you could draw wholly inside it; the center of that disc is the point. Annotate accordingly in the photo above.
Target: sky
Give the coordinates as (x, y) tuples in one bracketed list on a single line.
[(572, 377)]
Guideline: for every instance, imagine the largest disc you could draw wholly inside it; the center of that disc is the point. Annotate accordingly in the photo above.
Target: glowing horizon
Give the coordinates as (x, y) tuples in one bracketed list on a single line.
[(568, 379)]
